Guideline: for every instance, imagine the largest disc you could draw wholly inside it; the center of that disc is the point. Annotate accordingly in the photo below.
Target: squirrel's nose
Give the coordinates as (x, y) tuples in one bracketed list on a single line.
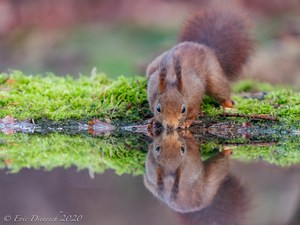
[(170, 127)]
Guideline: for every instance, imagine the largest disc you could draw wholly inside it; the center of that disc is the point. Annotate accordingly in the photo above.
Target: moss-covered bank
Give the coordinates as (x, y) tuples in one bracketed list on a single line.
[(61, 99), (56, 98)]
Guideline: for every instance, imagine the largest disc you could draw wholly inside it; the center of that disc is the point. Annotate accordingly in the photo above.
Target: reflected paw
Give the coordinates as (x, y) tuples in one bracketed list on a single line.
[(226, 151), (185, 133)]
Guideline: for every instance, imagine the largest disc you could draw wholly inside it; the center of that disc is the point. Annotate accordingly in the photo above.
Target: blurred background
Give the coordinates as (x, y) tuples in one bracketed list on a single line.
[(120, 37)]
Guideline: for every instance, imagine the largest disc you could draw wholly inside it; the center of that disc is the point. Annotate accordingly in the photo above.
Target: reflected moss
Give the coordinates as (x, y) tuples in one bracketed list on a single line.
[(20, 151), (124, 153), (284, 153)]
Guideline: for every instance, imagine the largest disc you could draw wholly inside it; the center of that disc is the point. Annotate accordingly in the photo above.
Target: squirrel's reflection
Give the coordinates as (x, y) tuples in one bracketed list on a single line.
[(203, 192)]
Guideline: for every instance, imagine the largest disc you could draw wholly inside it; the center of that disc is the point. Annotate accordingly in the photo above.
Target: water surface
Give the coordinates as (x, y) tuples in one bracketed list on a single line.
[(130, 178)]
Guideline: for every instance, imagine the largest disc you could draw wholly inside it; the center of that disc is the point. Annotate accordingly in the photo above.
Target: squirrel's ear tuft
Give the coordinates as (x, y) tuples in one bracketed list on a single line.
[(162, 81), (175, 188), (162, 76), (177, 69), (159, 180)]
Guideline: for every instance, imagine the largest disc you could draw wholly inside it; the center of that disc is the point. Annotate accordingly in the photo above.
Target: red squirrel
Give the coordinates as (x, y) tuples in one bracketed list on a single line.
[(177, 176), (213, 46)]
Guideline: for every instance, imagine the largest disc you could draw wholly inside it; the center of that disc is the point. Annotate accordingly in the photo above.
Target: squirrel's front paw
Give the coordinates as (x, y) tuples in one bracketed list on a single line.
[(151, 121), (185, 133), (186, 124), (227, 104), (150, 126)]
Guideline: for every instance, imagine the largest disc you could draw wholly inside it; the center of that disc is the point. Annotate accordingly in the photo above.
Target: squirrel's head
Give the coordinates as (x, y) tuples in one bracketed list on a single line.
[(172, 152), (169, 150), (170, 108)]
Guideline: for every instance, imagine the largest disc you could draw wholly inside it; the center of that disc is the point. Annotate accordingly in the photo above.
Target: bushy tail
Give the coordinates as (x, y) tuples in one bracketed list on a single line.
[(223, 31)]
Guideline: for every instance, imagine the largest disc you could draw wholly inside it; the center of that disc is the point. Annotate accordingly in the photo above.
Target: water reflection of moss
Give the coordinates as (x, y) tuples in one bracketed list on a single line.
[(57, 150), (124, 154), (283, 153)]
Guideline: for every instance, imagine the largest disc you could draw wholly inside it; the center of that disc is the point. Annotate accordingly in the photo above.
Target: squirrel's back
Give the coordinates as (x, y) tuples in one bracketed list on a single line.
[(225, 33)]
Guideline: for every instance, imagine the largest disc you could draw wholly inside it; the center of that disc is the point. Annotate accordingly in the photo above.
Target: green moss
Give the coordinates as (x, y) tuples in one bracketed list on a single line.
[(59, 98), (252, 86), (281, 102), (64, 98)]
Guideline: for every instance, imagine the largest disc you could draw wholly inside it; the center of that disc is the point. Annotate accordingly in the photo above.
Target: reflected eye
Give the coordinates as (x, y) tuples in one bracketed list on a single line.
[(158, 109), (182, 150), (183, 109), (157, 150)]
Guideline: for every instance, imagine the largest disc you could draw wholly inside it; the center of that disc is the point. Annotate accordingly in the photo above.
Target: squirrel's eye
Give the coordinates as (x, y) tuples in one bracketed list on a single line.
[(183, 109), (158, 109), (157, 150), (182, 150)]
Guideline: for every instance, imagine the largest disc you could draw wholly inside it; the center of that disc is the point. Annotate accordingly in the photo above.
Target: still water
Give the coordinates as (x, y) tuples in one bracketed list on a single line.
[(176, 184)]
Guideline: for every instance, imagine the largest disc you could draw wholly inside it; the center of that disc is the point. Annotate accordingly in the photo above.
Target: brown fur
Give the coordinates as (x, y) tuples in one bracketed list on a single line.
[(213, 49), (225, 33), (162, 75), (230, 206), (177, 69), (182, 180)]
